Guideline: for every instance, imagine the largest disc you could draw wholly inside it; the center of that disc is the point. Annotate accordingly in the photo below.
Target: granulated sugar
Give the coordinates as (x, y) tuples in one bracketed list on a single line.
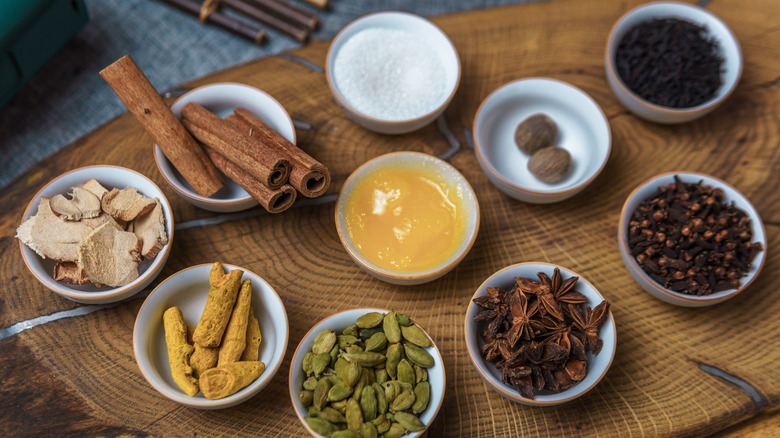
[(389, 74)]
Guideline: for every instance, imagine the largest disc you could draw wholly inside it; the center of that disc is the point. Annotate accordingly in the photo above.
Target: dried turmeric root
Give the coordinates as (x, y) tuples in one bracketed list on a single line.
[(234, 340), (228, 379), (203, 358), (253, 338), (219, 306), (216, 274), (179, 351)]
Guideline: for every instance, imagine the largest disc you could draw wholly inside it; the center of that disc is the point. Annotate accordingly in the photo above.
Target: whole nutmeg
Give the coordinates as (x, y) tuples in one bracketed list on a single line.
[(550, 164), (536, 132)]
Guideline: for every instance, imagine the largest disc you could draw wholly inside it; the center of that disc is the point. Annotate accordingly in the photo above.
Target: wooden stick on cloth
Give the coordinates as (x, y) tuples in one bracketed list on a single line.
[(275, 201), (263, 163), (270, 20), (139, 96), (289, 12), (322, 4), (308, 175), (250, 31)]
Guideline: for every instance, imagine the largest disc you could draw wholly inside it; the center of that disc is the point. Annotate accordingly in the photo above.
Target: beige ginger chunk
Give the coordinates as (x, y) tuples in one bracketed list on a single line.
[(82, 204), (150, 228), (126, 204), (95, 187), (50, 236), (110, 256)]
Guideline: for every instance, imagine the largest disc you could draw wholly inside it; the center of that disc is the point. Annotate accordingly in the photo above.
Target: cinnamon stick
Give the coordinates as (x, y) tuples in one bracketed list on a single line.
[(139, 96), (249, 31), (289, 12), (322, 4), (275, 201), (267, 19), (263, 163), (308, 175)]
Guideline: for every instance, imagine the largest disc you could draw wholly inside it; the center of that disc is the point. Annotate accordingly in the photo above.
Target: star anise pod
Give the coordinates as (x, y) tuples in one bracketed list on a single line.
[(521, 319), (589, 321), (546, 300)]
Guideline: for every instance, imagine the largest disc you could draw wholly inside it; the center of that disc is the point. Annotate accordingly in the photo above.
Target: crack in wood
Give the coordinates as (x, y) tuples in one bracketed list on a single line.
[(760, 401)]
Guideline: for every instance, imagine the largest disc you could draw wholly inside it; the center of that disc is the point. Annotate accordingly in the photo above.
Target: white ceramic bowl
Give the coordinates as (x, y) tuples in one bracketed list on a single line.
[(647, 189), (597, 364), (428, 37), (110, 177), (339, 321), (728, 49), (583, 131), (221, 99), (410, 160), (187, 290)]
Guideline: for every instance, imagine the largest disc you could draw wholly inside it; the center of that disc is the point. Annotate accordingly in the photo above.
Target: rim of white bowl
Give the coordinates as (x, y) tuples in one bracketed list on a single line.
[(317, 325), (198, 402), (489, 165), (88, 295), (177, 185), (334, 90), (714, 297), (433, 272), (716, 100), (480, 363)]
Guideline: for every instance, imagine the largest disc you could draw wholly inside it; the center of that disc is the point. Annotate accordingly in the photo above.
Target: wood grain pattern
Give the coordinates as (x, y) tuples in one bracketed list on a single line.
[(77, 375)]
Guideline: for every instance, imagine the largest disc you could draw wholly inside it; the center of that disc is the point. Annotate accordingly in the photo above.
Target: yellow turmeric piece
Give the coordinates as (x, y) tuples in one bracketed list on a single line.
[(179, 351), (216, 274), (234, 339), (203, 358), (228, 379), (253, 338), (219, 306)]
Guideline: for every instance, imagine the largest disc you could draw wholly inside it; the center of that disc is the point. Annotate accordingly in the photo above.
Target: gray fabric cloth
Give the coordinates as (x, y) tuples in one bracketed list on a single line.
[(68, 99)]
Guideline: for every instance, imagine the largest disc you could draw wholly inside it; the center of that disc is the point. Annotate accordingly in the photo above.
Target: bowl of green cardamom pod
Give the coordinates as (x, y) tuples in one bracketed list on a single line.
[(367, 372)]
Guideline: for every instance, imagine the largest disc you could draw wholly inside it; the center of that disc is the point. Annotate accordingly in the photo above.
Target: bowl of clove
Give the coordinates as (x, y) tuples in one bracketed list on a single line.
[(691, 239), (371, 371), (539, 334), (644, 68)]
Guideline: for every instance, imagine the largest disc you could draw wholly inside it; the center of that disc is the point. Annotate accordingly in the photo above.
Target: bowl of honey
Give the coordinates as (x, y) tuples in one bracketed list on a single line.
[(407, 217)]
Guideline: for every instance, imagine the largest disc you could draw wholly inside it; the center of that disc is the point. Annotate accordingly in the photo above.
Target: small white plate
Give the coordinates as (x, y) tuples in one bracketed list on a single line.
[(187, 290), (221, 99), (583, 131)]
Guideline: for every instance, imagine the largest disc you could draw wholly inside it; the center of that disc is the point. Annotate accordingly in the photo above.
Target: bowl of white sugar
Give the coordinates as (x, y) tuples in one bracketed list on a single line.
[(392, 72)]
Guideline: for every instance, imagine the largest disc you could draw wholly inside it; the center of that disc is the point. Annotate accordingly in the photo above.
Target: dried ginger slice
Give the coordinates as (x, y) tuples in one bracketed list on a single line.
[(70, 273), (95, 187), (51, 237), (82, 204), (110, 256), (150, 228), (126, 204)]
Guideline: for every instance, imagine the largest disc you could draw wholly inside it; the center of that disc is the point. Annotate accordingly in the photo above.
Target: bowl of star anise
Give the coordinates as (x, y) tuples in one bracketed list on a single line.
[(539, 334)]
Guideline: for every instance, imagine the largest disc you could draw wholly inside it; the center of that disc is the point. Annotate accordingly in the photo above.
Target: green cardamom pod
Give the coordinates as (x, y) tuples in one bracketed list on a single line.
[(365, 359), (404, 401), (395, 352), (320, 362), (358, 389), (352, 373), (422, 394), (409, 421), (334, 354), (332, 378), (416, 335), (382, 423), (320, 395), (392, 328), (353, 349), (324, 341), (340, 368), (420, 373), (368, 403), (339, 392), (392, 389), (404, 386), (403, 319), (369, 320), (406, 372), (351, 331), (368, 430), (418, 356), (395, 431), (380, 376), (354, 415), (345, 434), (310, 383), (345, 340), (340, 406), (330, 414), (306, 397), (322, 427), (307, 359), (376, 342), (381, 401), (390, 416), (367, 333)]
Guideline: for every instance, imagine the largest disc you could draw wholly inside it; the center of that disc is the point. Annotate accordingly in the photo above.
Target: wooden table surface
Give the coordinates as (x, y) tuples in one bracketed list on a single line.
[(68, 369)]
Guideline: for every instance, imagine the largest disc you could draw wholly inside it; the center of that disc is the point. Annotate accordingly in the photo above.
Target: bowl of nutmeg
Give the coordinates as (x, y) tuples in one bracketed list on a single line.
[(691, 239), (541, 140)]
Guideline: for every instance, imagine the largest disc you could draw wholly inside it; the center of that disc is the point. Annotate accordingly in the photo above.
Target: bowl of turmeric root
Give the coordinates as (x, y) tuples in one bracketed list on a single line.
[(211, 336)]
